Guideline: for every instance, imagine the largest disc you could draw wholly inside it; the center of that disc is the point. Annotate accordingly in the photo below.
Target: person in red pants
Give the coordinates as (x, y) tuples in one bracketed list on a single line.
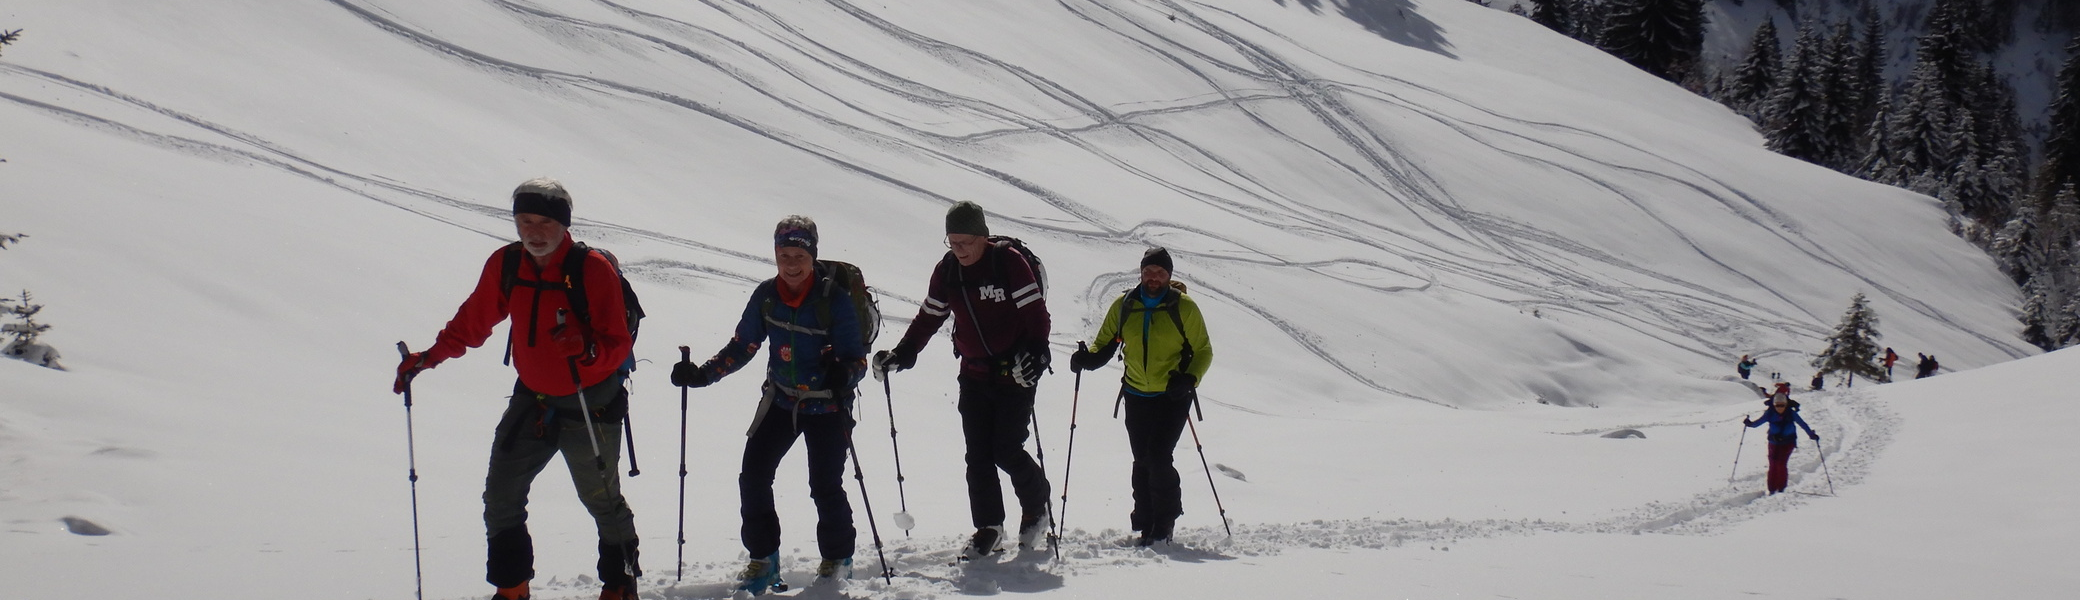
[(1783, 437)]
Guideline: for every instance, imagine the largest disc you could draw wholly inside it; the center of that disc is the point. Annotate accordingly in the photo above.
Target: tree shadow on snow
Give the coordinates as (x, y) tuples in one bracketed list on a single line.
[(1395, 20)]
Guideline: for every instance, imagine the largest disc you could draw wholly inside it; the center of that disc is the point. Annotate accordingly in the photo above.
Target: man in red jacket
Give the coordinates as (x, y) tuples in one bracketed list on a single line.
[(530, 282), (1000, 326)]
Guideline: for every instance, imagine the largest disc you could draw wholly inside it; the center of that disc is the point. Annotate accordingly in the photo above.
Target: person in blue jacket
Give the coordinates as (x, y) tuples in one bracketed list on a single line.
[(812, 372), (1783, 436)]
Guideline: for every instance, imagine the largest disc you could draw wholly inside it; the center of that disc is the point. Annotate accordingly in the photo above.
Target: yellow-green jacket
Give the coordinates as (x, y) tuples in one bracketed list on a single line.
[(1155, 338)]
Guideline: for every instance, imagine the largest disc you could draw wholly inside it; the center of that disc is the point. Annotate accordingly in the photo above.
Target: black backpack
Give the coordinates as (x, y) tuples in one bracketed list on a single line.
[(1006, 242), (573, 286)]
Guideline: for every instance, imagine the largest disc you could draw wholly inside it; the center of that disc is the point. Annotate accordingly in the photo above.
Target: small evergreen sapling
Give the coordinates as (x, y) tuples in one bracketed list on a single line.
[(23, 344), (1853, 348)]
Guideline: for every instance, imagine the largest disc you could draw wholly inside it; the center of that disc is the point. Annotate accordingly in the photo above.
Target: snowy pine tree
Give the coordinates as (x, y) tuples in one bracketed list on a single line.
[(1918, 135), (1748, 89), (1795, 120), (1870, 70), (1877, 160), (1554, 14), (1662, 37), (1853, 348), (2061, 166), (1844, 99)]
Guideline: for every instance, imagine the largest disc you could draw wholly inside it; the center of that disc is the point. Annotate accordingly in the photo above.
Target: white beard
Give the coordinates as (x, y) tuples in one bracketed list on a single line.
[(546, 250)]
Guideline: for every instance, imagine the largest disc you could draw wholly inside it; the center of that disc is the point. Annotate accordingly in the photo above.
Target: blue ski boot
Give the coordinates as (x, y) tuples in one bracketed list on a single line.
[(761, 575)]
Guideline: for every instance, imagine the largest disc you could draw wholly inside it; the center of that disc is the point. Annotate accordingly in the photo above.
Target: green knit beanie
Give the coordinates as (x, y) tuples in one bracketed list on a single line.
[(966, 217)]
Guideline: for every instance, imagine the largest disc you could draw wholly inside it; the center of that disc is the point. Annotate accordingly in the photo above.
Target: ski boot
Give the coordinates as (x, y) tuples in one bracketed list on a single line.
[(1032, 528), (761, 575), (518, 592), (988, 541), (834, 568)]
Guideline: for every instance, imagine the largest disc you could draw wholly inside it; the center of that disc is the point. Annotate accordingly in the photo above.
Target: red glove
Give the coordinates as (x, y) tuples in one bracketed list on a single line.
[(408, 368), (574, 341)]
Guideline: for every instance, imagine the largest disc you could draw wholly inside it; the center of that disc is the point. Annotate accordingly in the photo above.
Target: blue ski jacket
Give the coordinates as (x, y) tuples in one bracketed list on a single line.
[(1781, 429), (811, 344)]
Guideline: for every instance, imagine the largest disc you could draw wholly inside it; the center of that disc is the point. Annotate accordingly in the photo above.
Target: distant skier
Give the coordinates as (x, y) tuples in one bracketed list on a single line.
[(1819, 379), (1000, 326), (1745, 366), (1783, 436), (816, 361), (544, 417), (1927, 366), (1890, 357), (1167, 355)]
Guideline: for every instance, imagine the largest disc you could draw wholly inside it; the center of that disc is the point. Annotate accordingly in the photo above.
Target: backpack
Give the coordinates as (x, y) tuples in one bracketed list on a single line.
[(1023, 252), (573, 286), (1176, 317), (845, 276)]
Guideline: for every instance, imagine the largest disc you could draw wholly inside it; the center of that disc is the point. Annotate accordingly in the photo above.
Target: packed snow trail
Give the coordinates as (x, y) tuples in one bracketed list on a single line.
[(1855, 430)]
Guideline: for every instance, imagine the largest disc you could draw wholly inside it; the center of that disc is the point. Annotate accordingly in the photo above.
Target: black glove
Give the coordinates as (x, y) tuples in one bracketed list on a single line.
[(1181, 383), (837, 377), (689, 374), (1747, 422), (1815, 436), (1085, 359), (898, 359), (1028, 363)]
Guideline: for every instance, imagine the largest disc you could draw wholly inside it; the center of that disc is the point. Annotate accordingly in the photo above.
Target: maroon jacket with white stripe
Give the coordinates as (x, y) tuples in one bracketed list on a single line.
[(996, 304)]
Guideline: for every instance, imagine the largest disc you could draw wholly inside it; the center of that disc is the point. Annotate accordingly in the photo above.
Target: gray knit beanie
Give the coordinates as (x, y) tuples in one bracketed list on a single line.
[(966, 217)]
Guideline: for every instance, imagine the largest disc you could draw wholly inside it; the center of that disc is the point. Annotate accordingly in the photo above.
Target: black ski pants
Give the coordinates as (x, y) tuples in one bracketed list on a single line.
[(826, 436), (1154, 424), (534, 429), (993, 419)]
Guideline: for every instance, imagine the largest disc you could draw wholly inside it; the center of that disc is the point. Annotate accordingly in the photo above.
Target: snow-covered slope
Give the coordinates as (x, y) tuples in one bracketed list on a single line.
[(1384, 207)]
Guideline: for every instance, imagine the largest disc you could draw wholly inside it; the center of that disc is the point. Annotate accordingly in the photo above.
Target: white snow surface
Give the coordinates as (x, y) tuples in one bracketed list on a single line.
[(1441, 251)]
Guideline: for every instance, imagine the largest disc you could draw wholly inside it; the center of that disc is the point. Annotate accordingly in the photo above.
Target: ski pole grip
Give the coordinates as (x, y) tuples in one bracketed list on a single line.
[(685, 354), (402, 350)]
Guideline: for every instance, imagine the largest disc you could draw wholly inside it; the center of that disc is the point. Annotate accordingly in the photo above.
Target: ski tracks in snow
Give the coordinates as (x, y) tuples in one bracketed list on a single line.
[(1855, 431)]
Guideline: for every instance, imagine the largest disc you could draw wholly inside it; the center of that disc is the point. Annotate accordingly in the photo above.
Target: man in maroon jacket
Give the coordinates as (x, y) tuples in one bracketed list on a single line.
[(1000, 327), (529, 282)]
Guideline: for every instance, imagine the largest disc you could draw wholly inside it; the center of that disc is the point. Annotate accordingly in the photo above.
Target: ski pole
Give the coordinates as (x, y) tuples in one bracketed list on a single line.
[(1069, 462), (411, 453), (860, 476), (903, 519), (1737, 455), (1041, 450), (599, 459), (628, 430), (1209, 474), (1823, 466), (685, 355)]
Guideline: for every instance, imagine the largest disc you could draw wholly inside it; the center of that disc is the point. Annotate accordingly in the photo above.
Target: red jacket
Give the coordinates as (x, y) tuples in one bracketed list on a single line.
[(542, 365)]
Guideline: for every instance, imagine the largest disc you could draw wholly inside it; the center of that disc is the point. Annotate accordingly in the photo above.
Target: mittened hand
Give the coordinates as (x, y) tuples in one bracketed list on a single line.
[(887, 361), (1815, 436), (407, 369), (1181, 382), (1029, 364), (1747, 421), (837, 377), (571, 341), (688, 374), (1086, 360)]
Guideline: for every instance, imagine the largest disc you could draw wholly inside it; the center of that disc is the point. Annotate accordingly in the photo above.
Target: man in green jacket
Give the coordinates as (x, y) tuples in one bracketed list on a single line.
[(1167, 353)]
